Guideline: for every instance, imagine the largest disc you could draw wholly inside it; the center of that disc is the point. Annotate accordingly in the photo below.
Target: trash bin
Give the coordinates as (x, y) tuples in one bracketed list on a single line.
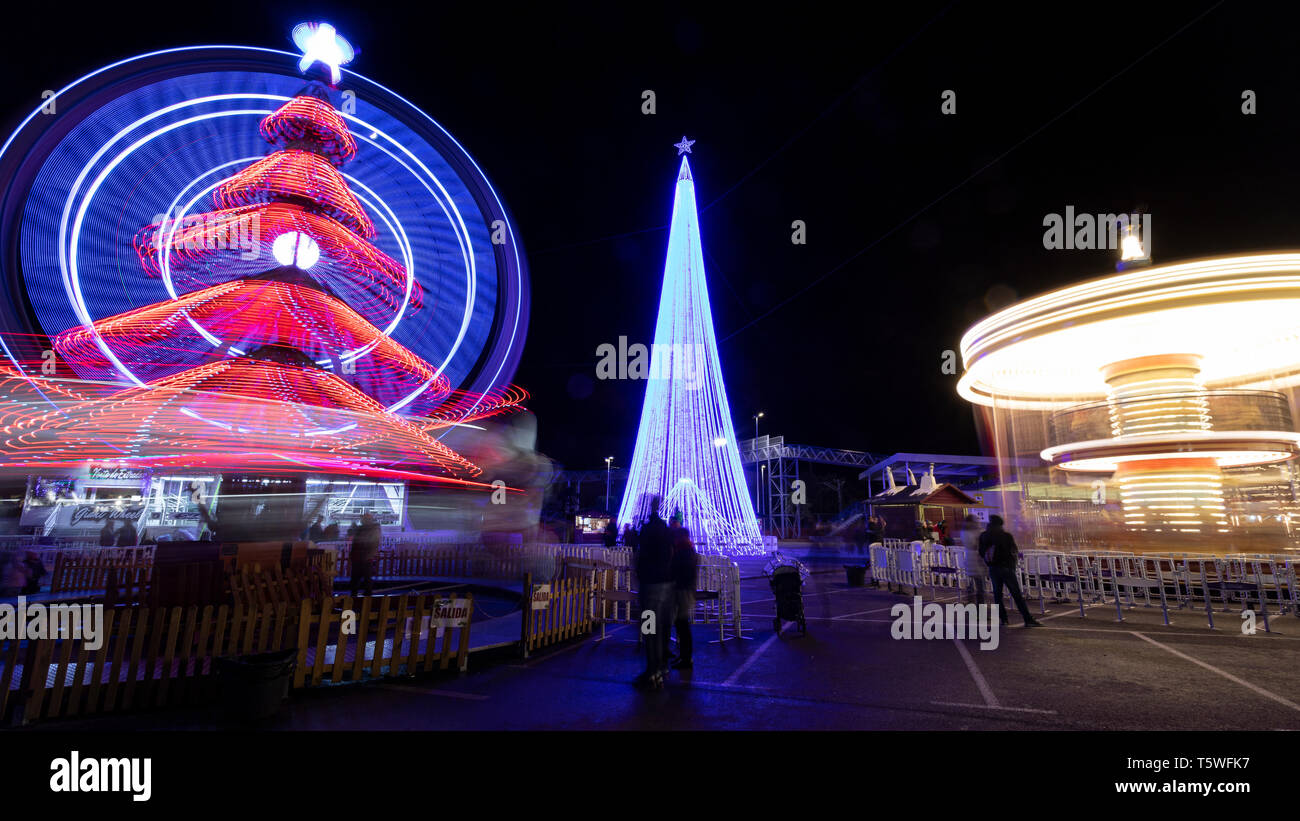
[(252, 687), (857, 574)]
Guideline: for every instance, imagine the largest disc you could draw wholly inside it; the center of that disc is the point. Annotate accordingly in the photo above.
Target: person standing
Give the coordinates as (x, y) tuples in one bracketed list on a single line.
[(655, 585), (35, 572), (998, 548), (106, 535), (572, 505), (684, 567), (13, 575), (127, 536), (365, 548), (977, 572), (316, 533), (611, 534)]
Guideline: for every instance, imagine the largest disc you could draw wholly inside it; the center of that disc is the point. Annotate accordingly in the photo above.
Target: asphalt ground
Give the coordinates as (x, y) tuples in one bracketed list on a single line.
[(846, 673)]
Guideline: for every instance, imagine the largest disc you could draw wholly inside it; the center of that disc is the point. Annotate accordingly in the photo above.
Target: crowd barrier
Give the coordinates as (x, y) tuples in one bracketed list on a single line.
[(1264, 583), (88, 570), (388, 636), (717, 595), (167, 656), (555, 611), (154, 656)]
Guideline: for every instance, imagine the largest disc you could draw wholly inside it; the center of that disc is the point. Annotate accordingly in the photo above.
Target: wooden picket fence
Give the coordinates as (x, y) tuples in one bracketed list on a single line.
[(166, 656), (717, 595), (253, 586), (434, 561), (93, 570), (568, 613), (391, 636), (147, 658), (86, 571)]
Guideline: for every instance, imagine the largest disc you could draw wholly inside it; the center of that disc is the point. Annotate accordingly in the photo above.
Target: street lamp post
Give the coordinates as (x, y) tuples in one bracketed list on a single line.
[(757, 497), (609, 460)]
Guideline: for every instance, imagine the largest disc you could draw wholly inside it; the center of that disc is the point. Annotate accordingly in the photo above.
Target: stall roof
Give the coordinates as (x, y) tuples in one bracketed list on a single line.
[(947, 464), (913, 495)]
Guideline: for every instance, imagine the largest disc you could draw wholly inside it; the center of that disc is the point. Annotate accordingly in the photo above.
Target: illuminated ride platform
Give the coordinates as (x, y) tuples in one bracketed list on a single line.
[(1171, 388)]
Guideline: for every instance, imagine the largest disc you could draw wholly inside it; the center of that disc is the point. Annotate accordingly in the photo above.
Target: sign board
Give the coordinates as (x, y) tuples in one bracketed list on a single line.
[(981, 514), (449, 613), (87, 515), (541, 596), (47, 494), (127, 476)]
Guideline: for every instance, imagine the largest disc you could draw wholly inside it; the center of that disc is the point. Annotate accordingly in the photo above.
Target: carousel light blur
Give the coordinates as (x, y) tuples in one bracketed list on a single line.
[(1172, 389)]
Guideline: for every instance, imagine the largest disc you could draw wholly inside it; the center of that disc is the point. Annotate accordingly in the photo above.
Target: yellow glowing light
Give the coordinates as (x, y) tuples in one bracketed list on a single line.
[(1225, 458), (1240, 314), (1130, 247)]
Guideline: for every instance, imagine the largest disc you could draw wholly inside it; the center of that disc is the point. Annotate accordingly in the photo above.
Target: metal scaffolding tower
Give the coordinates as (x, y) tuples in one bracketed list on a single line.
[(779, 462)]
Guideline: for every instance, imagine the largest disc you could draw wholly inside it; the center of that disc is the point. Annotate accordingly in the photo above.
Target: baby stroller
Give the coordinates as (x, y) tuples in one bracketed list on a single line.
[(785, 576)]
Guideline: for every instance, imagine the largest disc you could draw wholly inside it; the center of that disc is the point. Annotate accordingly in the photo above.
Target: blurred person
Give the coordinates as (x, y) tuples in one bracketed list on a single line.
[(611, 534), (331, 533), (127, 536), (365, 547), (630, 536), (106, 535), (684, 568), (35, 572), (13, 575), (572, 506), (968, 540), (316, 533), (875, 531), (655, 586), (998, 548), (941, 532)]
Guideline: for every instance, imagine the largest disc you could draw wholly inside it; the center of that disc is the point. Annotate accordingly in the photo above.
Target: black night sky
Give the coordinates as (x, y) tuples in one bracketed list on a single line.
[(918, 223)]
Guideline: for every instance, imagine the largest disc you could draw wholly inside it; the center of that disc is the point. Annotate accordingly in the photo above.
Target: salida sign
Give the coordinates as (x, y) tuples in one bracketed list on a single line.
[(450, 613), (541, 596)]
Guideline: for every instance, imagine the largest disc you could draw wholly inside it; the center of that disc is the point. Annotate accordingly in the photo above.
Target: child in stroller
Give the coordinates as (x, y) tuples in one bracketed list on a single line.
[(785, 576)]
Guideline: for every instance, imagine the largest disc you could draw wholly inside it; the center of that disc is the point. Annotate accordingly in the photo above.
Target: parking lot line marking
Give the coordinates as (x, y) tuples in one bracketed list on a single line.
[(980, 682), (1166, 632), (890, 607), (991, 707), (753, 657), (1229, 676), (1069, 610)]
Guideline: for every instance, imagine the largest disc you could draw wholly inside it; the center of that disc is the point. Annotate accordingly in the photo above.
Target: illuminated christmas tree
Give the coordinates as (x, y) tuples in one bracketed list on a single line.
[(686, 449)]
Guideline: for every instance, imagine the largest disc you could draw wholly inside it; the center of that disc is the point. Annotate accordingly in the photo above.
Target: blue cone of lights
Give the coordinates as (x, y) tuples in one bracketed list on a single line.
[(686, 446)]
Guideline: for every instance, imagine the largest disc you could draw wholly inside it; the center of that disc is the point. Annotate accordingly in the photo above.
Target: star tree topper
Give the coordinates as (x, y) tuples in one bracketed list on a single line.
[(684, 147), (320, 42)]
